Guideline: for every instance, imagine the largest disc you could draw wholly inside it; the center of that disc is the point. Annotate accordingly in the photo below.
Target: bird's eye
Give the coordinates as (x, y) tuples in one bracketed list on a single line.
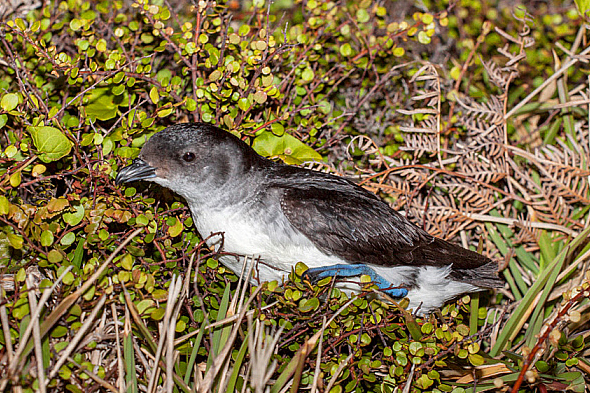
[(188, 157)]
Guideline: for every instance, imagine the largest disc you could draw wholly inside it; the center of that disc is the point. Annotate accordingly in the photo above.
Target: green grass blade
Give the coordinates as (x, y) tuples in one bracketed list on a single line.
[(549, 137), (527, 260), (539, 313), (78, 254), (547, 248), (513, 287), (129, 360), (195, 351), (519, 314), (231, 385), (568, 120), (216, 344), (517, 285), (474, 313), (517, 275)]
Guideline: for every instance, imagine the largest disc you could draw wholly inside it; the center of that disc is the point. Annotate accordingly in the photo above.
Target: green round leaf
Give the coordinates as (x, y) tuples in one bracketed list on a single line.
[(11, 151), (4, 205), (59, 331), (180, 326), (398, 52), (158, 314), (68, 239), (101, 104), (76, 217), (154, 95), (143, 305), (346, 50), (475, 359), (260, 97), (300, 267), (165, 112), (307, 75), (75, 24), (142, 220), (9, 102), (46, 238), (55, 256), (16, 241), (289, 148), (427, 19), (423, 38), (542, 366), (51, 143), (307, 305), (176, 229), (244, 104), (15, 179), (362, 15), (101, 45)]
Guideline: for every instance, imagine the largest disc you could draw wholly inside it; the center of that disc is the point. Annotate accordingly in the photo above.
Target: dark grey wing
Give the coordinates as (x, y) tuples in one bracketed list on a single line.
[(353, 225), (343, 219)]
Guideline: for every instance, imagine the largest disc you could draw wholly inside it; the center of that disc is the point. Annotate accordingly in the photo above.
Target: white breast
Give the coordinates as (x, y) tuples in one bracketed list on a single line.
[(269, 238)]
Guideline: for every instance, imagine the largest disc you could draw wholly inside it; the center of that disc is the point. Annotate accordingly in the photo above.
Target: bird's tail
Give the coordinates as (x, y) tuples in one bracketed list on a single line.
[(484, 276)]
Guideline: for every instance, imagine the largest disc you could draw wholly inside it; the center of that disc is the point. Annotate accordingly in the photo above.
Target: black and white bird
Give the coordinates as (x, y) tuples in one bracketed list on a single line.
[(282, 214)]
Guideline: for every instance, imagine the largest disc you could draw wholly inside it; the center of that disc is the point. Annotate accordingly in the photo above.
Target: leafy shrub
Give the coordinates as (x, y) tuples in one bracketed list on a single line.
[(83, 84)]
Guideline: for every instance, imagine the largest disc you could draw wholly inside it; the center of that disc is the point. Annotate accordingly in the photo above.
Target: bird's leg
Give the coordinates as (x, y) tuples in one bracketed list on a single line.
[(345, 270)]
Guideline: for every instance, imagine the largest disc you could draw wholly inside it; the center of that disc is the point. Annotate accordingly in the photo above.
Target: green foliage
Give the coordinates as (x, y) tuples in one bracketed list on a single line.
[(50, 142), (285, 146), (377, 333), (83, 84)]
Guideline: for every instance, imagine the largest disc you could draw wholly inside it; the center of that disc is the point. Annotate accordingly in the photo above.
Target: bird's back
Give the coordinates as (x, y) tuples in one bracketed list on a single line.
[(344, 219)]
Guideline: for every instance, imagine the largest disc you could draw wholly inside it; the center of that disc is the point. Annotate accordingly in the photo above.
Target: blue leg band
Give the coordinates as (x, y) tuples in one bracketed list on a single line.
[(345, 270)]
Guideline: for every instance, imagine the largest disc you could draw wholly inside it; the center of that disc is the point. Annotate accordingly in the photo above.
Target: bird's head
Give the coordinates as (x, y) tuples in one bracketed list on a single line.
[(190, 158)]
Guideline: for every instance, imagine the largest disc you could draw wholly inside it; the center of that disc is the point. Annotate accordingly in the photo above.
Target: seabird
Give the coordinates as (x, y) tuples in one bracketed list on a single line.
[(281, 214)]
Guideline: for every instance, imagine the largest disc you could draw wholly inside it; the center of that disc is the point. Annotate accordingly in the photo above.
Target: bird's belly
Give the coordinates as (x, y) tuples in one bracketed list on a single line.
[(271, 242)]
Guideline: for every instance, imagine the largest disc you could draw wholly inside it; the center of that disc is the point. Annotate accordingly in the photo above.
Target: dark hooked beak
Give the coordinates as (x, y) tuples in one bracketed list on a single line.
[(138, 170)]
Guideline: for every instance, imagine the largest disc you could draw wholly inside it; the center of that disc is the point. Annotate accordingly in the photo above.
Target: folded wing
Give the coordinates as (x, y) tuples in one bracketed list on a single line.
[(345, 220)]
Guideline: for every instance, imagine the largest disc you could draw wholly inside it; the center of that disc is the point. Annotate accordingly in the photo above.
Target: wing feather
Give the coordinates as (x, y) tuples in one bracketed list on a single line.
[(346, 220)]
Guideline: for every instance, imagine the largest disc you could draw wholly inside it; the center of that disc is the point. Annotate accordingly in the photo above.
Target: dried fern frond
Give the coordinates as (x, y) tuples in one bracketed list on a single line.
[(479, 166), (424, 137), (526, 234), (491, 111), (499, 76)]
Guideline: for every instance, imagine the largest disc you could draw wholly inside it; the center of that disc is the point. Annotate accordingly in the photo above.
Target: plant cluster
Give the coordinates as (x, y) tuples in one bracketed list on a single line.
[(108, 288)]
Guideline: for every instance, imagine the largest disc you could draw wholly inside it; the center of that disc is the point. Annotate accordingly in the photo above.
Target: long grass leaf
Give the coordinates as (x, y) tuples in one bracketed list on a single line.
[(474, 313), (513, 287), (216, 344), (527, 260), (231, 385), (539, 313), (517, 275), (547, 248), (518, 316), (550, 135), (129, 360), (78, 254), (197, 344), (517, 286), (563, 94)]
